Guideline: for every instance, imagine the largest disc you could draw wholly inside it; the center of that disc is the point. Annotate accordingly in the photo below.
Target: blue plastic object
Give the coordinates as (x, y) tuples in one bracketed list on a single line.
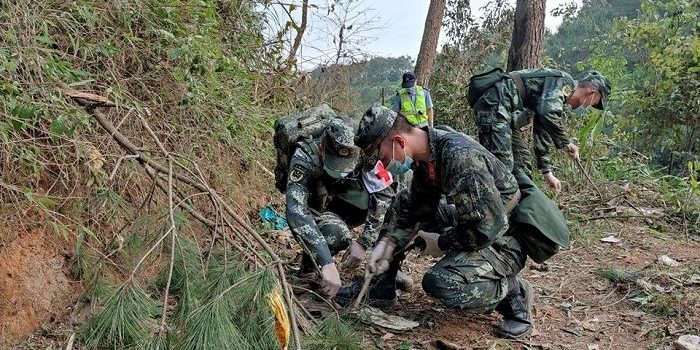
[(270, 216)]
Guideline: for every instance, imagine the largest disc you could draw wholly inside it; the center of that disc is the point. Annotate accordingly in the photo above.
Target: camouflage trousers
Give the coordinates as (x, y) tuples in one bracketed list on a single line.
[(334, 230), (496, 116), (475, 281)]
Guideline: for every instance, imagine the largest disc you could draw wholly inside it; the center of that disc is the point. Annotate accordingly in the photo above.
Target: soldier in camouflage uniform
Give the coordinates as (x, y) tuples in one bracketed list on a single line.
[(326, 196), (537, 96), (482, 256)]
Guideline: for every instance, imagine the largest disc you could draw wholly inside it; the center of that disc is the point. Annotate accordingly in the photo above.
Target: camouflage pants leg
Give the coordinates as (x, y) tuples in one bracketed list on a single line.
[(521, 150), (334, 230), (475, 281), (492, 114)]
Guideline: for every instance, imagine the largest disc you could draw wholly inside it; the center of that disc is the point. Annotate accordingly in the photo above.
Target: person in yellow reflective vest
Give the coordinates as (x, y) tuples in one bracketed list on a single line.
[(414, 102)]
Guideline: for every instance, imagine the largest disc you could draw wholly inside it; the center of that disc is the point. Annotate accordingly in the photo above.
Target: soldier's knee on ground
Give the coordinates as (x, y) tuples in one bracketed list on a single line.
[(451, 288), (335, 231)]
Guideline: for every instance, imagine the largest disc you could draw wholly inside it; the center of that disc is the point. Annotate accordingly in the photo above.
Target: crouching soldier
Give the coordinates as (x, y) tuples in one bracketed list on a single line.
[(326, 196), (483, 252)]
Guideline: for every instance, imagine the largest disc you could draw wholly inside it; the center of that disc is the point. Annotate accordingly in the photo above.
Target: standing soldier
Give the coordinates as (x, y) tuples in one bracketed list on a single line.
[(483, 252), (504, 104), (326, 195)]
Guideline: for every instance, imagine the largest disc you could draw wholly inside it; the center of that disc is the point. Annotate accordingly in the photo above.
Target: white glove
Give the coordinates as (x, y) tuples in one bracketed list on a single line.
[(572, 151), (381, 255), (552, 181), (431, 244), (330, 279), (354, 255)]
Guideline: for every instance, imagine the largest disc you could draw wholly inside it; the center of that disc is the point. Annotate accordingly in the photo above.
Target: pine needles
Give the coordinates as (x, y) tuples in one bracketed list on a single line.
[(335, 333), (123, 321)]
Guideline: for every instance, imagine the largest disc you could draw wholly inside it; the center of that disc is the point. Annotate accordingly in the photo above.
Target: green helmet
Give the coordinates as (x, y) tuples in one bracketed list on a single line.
[(340, 155), (374, 126), (601, 83)]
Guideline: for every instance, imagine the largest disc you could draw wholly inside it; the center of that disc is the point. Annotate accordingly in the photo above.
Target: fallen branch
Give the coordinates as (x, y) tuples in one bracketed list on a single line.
[(154, 169)]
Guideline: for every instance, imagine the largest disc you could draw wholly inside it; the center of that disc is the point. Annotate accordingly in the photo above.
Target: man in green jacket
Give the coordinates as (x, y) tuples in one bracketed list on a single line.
[(483, 252), (537, 96)]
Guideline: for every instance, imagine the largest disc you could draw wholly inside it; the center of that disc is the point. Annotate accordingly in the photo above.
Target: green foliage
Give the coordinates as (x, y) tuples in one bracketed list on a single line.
[(653, 62), (334, 333), (581, 29), (123, 321), (235, 313)]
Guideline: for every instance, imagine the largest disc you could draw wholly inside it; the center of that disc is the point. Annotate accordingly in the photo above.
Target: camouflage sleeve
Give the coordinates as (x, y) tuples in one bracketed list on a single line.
[(550, 111), (299, 218), (379, 203), (411, 207), (482, 217), (543, 144)]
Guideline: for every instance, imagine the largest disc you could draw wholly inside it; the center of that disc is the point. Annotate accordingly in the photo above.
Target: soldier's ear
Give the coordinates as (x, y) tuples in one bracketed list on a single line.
[(400, 140)]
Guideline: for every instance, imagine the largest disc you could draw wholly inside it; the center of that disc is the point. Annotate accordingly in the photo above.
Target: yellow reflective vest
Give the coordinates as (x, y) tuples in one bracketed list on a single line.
[(415, 113)]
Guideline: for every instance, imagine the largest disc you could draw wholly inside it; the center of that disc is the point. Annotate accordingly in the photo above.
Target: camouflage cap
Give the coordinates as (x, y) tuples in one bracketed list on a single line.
[(374, 126), (601, 83), (340, 155)]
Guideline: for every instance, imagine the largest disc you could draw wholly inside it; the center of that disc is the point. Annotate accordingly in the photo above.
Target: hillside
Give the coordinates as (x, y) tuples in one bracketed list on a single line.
[(136, 157)]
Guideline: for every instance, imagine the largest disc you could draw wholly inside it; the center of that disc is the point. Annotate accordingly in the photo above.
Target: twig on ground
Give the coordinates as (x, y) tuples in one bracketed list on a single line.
[(588, 177)]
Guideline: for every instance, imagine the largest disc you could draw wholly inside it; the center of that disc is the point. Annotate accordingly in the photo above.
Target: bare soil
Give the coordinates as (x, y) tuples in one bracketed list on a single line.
[(575, 306), (34, 286)]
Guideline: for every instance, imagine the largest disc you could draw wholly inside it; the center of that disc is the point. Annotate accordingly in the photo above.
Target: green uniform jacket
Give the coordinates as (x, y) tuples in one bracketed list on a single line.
[(471, 178), (309, 188)]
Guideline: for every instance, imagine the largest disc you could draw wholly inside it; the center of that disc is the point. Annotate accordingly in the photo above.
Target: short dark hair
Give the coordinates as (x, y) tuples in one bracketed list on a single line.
[(401, 124)]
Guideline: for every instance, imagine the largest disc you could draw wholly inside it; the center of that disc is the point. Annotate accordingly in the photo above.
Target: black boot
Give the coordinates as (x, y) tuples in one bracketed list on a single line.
[(381, 293), (516, 309)]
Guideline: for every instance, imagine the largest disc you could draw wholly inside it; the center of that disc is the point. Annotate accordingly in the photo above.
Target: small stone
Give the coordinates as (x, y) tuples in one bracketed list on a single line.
[(610, 239), (666, 260), (687, 342)]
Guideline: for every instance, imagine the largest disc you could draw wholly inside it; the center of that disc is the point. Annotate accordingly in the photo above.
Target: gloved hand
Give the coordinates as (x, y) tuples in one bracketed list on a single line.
[(354, 255), (552, 181), (381, 255), (572, 151), (428, 243), (330, 279)]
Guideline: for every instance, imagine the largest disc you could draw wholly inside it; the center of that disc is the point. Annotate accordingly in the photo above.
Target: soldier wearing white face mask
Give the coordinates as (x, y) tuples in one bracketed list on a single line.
[(326, 195), (505, 104)]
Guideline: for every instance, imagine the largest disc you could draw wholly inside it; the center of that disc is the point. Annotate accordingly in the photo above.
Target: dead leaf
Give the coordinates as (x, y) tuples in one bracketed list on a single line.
[(388, 336), (375, 316), (440, 344), (610, 239), (647, 286), (693, 280), (666, 260)]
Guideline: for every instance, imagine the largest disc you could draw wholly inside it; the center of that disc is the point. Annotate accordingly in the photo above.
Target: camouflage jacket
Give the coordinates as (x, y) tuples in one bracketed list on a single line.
[(471, 178), (310, 190), (546, 93)]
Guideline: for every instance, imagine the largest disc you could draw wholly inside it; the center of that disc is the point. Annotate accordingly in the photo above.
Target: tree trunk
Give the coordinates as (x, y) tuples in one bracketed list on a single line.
[(300, 33), (428, 46), (528, 33)]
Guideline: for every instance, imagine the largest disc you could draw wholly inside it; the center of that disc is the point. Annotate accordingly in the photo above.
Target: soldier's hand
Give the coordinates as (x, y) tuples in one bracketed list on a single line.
[(354, 255), (572, 151), (381, 255), (330, 279), (552, 181)]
